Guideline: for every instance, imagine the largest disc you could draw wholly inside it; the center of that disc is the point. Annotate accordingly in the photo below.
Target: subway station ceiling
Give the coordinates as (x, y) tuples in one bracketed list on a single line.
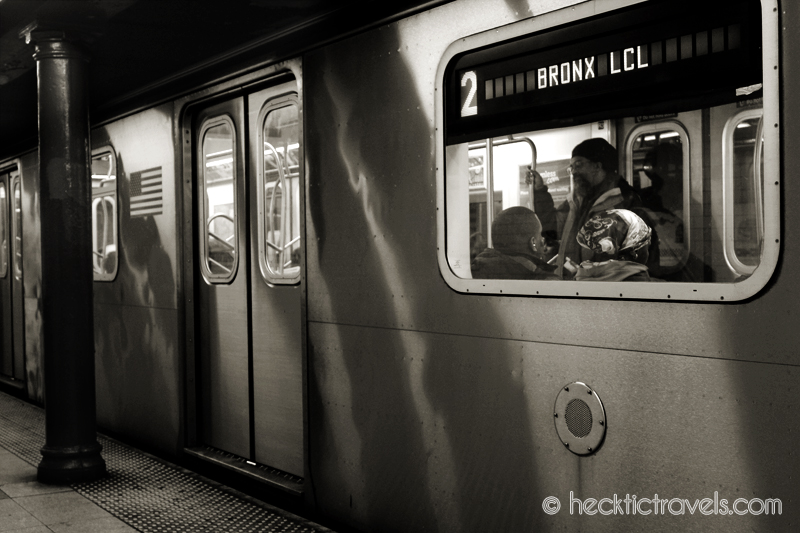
[(142, 51)]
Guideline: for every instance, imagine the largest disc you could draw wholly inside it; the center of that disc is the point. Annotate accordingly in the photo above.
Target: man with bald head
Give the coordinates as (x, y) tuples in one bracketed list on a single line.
[(517, 246)]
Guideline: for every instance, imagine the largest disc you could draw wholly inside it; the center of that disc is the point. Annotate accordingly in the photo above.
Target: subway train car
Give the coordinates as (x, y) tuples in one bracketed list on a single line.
[(284, 287)]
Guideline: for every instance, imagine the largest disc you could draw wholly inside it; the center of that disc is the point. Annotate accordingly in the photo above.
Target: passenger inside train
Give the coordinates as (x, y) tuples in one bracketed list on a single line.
[(619, 241), (518, 242), (477, 243)]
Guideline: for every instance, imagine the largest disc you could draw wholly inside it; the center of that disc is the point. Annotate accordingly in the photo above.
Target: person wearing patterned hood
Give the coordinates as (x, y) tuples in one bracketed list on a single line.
[(597, 187), (619, 240), (517, 243)]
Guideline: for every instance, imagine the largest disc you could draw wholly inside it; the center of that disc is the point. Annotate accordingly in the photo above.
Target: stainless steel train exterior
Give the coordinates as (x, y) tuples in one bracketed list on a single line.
[(302, 310)]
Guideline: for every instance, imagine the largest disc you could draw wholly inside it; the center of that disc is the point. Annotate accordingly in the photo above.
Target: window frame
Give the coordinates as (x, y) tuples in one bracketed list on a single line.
[(267, 274), (679, 291), (106, 276), (210, 277)]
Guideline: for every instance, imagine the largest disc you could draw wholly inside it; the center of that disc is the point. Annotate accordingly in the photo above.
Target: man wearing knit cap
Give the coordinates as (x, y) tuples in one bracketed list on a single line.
[(596, 187)]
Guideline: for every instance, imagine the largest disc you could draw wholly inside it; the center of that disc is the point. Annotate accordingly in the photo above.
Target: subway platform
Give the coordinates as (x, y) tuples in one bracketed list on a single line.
[(140, 493)]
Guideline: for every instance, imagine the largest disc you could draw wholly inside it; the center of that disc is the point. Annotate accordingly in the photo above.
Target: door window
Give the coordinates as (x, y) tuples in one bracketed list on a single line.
[(218, 240), (3, 231), (279, 192), (17, 230), (104, 215), (744, 184), (658, 169)]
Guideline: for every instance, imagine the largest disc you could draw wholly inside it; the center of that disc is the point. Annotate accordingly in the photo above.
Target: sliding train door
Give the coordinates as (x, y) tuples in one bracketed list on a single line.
[(12, 335), (249, 288), (6, 338), (275, 293), (223, 315)]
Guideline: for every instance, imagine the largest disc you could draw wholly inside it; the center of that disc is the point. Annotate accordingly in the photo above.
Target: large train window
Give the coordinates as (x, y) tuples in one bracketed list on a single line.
[(218, 239), (279, 192), (104, 214), (630, 145), (3, 230)]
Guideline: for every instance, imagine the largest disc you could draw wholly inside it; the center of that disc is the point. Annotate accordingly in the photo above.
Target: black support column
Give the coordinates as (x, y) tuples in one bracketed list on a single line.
[(71, 452)]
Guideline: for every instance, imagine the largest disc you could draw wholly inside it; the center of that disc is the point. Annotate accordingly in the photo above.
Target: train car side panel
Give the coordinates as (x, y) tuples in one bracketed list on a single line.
[(790, 130), (138, 392), (147, 233), (138, 372), (468, 425)]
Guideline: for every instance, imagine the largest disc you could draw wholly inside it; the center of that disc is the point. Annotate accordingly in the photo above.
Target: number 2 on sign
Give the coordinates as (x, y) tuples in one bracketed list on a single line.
[(470, 102)]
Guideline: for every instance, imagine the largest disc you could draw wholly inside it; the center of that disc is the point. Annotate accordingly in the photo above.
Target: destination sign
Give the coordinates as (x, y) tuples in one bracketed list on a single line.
[(640, 67), (588, 68)]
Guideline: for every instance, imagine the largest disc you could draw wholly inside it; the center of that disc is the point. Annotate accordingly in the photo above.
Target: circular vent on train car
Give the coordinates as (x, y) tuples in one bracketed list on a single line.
[(580, 418)]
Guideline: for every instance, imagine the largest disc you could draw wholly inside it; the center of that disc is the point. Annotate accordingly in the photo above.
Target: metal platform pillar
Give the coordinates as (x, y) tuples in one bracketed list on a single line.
[(71, 452)]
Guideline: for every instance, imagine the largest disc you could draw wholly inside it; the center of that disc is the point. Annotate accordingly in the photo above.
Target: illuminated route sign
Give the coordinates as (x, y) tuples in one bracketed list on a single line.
[(652, 59)]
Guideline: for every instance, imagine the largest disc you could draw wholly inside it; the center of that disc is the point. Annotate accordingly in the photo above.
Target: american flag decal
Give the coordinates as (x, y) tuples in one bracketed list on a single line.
[(147, 196)]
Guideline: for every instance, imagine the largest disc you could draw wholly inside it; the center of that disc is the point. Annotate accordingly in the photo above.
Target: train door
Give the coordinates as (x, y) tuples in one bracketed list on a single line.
[(248, 205), (12, 357), (7, 346)]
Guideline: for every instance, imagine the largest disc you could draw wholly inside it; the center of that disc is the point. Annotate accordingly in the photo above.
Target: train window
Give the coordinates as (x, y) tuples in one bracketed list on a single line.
[(218, 239), (104, 214), (279, 192), (17, 228), (743, 151), (3, 231), (623, 146)]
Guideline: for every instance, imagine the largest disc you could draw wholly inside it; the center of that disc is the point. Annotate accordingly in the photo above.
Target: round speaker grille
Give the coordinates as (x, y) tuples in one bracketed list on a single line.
[(579, 418)]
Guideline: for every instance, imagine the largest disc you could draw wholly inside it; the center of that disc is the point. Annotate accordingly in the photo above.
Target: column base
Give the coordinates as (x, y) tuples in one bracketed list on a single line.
[(71, 464)]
